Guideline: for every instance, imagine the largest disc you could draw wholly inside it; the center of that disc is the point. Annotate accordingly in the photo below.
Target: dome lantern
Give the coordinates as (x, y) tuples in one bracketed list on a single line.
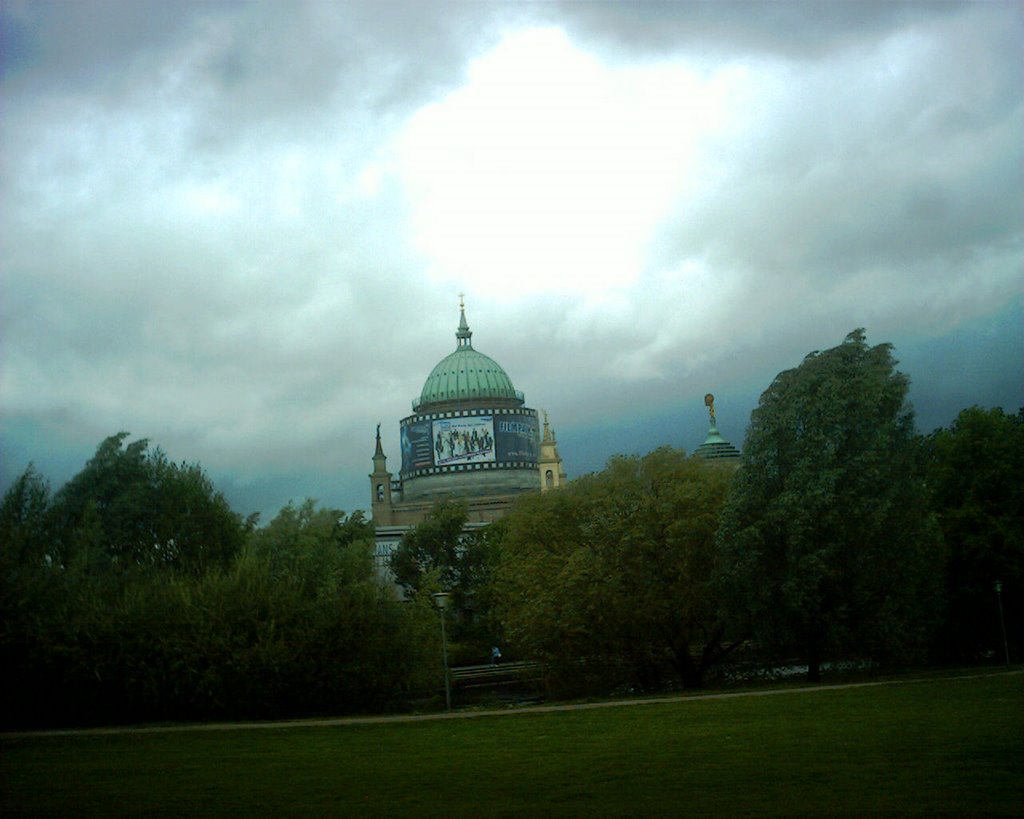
[(463, 336)]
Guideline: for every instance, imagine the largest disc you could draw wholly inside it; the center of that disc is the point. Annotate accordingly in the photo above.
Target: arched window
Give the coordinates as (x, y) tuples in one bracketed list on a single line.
[(549, 479), (380, 491)]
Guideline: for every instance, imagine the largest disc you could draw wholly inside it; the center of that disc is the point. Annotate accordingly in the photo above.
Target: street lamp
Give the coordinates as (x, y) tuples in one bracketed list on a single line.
[(441, 601), (1002, 624)]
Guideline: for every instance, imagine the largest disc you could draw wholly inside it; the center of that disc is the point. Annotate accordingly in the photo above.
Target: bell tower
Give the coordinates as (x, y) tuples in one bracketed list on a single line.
[(552, 471), (380, 487)]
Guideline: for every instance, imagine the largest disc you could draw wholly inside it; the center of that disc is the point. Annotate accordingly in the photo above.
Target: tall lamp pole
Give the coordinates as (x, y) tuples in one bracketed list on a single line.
[(441, 601), (1002, 623)]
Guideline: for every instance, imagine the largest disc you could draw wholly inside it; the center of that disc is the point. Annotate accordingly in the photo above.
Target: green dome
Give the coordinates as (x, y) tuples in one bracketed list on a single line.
[(466, 375)]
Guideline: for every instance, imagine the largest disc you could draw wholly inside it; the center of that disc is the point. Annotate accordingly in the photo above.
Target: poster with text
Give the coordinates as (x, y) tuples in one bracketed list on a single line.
[(417, 450), (517, 437), (465, 440)]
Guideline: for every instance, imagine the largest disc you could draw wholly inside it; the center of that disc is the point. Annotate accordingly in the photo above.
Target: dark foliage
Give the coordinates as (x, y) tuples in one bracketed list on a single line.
[(129, 597), (439, 554), (976, 480), (130, 507), (833, 552)]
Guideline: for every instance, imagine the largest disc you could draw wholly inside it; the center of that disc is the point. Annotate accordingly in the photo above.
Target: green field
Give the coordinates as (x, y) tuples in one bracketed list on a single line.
[(935, 747)]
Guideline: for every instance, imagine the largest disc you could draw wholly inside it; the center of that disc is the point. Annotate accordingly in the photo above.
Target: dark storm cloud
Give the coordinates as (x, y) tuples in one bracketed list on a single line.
[(791, 29), (242, 71), (272, 46), (51, 43)]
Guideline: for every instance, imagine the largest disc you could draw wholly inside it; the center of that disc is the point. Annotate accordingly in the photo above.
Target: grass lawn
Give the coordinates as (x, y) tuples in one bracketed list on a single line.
[(938, 747)]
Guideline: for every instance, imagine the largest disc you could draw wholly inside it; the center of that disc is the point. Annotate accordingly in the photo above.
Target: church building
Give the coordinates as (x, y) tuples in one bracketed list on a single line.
[(470, 436)]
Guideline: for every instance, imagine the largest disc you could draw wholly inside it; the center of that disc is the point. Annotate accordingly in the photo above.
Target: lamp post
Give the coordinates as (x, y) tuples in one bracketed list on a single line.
[(441, 601), (1002, 623)]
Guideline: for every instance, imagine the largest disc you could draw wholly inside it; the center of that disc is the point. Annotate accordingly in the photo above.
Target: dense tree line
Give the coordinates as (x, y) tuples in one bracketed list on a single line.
[(976, 481), (134, 592)]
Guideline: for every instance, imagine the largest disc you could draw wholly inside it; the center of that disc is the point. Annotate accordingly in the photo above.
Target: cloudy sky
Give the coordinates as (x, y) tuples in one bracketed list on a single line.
[(240, 229)]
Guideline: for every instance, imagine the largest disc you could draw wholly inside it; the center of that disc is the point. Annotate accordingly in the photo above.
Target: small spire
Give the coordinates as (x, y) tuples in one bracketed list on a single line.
[(379, 453), (463, 336)]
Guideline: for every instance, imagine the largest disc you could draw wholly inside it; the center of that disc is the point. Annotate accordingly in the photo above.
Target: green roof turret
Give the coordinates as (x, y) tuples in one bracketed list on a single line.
[(715, 447)]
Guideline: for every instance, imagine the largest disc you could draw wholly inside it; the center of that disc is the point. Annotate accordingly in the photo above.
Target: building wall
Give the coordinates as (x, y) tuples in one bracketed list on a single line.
[(470, 483)]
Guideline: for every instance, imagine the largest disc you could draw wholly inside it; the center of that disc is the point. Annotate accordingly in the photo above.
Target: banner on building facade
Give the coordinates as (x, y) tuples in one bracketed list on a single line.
[(417, 447), (464, 440), (517, 436), (469, 439)]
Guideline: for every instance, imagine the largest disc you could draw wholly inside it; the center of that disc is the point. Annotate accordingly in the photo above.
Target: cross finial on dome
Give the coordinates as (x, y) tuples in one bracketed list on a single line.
[(463, 335)]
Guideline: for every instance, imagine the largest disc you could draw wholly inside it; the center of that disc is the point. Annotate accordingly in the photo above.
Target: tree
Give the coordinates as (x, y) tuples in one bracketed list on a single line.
[(24, 519), (610, 578), (308, 625), (297, 624), (975, 476), (306, 546), (439, 554), (132, 507), (28, 597), (74, 563), (831, 548), (432, 548)]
